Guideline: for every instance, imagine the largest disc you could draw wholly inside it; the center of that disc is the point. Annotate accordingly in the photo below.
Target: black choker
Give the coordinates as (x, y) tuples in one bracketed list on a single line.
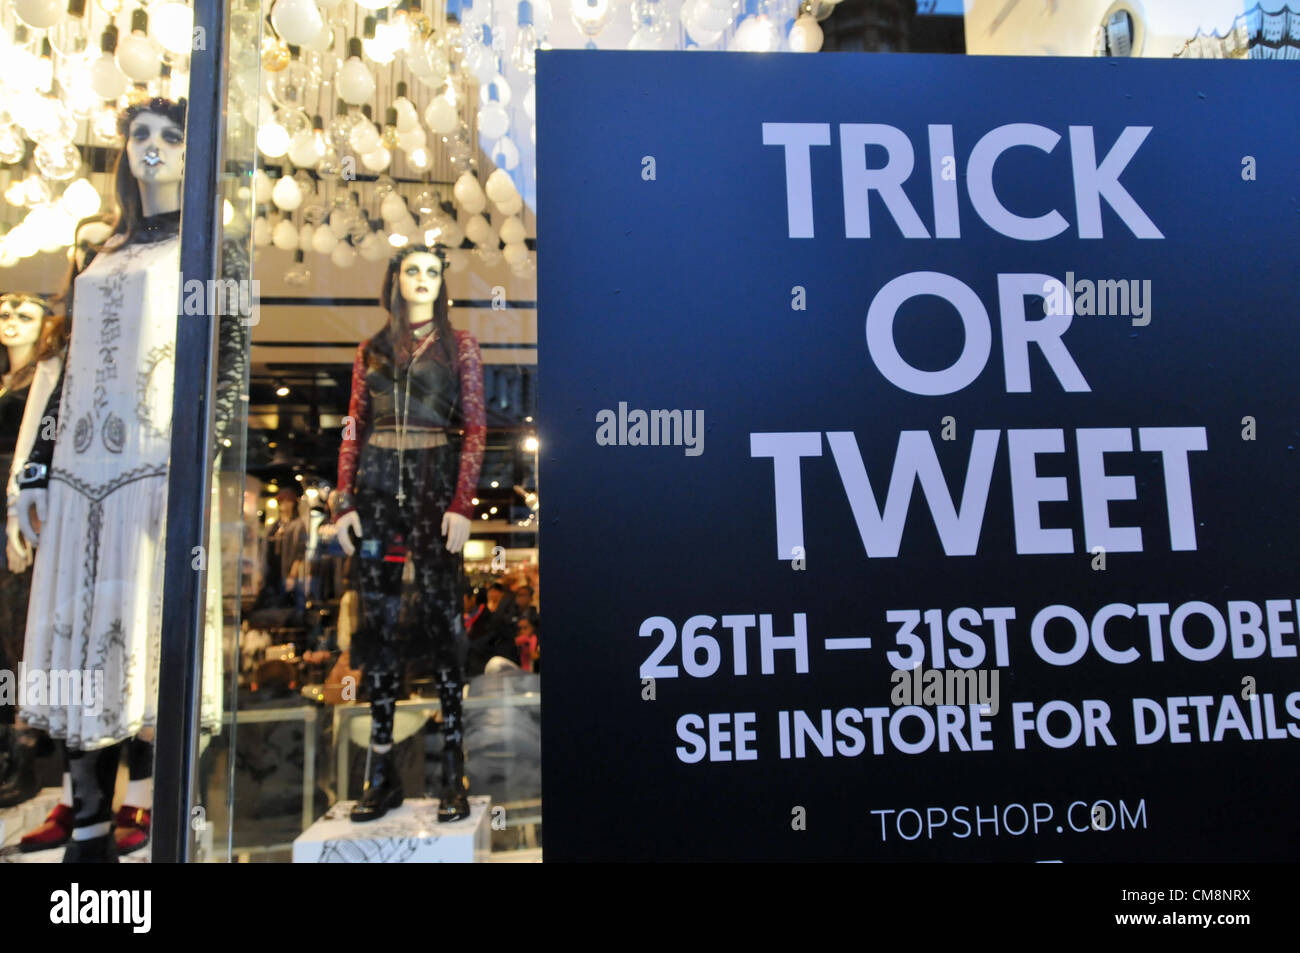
[(156, 228)]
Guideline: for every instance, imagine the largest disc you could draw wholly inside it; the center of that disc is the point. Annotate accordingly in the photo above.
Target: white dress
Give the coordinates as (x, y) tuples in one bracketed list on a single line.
[(96, 599)]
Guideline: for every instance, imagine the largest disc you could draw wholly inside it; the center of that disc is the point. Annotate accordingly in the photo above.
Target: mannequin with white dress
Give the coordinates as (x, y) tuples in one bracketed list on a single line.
[(94, 493)]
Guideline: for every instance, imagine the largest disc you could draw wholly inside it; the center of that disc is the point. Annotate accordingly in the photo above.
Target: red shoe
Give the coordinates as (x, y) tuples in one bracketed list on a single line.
[(55, 831), (131, 828)]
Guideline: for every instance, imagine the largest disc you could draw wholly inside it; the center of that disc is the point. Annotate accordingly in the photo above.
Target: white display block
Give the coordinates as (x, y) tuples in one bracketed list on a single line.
[(18, 820), (409, 835)]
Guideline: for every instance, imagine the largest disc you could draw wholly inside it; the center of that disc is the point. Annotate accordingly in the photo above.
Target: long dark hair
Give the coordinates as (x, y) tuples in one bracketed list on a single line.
[(397, 336), (129, 207), (52, 336)]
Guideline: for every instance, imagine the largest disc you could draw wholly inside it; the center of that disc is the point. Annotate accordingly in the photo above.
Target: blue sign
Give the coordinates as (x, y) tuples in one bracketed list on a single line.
[(920, 469)]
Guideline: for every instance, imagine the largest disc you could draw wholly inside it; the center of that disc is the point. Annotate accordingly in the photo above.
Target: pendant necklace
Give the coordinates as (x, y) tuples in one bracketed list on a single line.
[(406, 411)]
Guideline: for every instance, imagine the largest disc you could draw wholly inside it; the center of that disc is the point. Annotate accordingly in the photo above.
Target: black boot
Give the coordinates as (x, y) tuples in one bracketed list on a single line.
[(453, 801), (95, 850), (383, 789), (20, 782)]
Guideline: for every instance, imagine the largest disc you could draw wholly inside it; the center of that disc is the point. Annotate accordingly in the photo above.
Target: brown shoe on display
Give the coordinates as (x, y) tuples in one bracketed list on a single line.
[(131, 828), (54, 831)]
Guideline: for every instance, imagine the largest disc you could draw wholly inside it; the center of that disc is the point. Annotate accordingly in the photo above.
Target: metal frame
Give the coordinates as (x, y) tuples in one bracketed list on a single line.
[(190, 473)]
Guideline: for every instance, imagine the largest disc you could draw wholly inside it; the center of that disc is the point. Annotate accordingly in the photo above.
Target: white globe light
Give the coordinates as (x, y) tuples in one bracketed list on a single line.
[(355, 83), (479, 231), (506, 154), (40, 14), (297, 21), (392, 208), (530, 102), (261, 232), (372, 4), (377, 160), (411, 140), (262, 186), (515, 253), (106, 79), (512, 231), (304, 236), (323, 241), (285, 236), (806, 35), (273, 140), (304, 150), (374, 247), (172, 25), (408, 120), (137, 58), (364, 137), (643, 39), (286, 195), (469, 194), (500, 186), (441, 116), (493, 121), (343, 255), (590, 16), (511, 206), (757, 34), (696, 19), (80, 199), (21, 240)]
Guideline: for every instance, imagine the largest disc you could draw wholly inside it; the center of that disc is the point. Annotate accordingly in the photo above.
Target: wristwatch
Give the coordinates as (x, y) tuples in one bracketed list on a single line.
[(33, 475)]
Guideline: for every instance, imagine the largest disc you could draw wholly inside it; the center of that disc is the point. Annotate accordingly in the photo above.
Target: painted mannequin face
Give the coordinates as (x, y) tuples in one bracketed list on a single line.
[(155, 149), (420, 277), (20, 323)]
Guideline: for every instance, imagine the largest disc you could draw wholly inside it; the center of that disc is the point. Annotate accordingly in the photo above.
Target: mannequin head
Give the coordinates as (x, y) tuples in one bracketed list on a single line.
[(415, 275), (28, 325), (150, 169)]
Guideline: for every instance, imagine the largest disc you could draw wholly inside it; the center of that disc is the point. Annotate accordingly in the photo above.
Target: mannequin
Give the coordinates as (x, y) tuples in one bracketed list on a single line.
[(408, 469), (94, 491), (33, 337)]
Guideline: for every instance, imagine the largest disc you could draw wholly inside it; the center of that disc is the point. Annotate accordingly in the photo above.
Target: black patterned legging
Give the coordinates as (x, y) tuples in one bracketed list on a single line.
[(424, 621)]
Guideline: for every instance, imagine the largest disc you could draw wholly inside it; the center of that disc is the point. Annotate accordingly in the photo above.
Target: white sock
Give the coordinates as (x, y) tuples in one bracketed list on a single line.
[(91, 831), (140, 793), (66, 798)]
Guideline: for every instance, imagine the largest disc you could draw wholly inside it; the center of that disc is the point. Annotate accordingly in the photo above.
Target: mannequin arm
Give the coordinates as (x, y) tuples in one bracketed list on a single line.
[(474, 420), (232, 343), (355, 430)]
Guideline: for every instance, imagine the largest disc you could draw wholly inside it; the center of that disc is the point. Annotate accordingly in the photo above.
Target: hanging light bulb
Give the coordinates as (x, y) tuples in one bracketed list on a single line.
[(493, 121), (479, 231), (39, 14), (80, 199), (806, 35), (106, 79), (407, 118), (103, 121), (57, 160), (275, 54), (340, 125), (589, 16), (297, 274), (262, 187), (298, 21), (411, 140), (261, 231), (284, 236), (355, 84), (505, 154), (376, 48), (757, 34), (12, 147), (71, 40), (286, 195), (343, 255), (272, 139), (441, 116), (389, 135), (523, 52), (136, 56), (469, 194), (290, 86), (392, 208), (512, 231), (372, 4), (651, 22), (364, 137), (15, 194), (43, 77), (323, 241), (377, 159), (172, 26), (500, 187), (331, 163), (374, 247)]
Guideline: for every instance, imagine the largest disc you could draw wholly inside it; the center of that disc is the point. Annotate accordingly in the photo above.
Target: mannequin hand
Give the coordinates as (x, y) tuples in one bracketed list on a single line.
[(17, 551), (456, 528), (349, 531), (29, 499)]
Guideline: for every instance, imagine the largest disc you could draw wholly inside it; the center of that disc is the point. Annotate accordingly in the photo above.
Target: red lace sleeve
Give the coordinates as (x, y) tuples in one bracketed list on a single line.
[(355, 428), (474, 419)]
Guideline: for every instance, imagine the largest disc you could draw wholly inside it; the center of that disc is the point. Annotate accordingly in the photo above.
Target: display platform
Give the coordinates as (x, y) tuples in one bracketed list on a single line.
[(409, 835), (18, 820)]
